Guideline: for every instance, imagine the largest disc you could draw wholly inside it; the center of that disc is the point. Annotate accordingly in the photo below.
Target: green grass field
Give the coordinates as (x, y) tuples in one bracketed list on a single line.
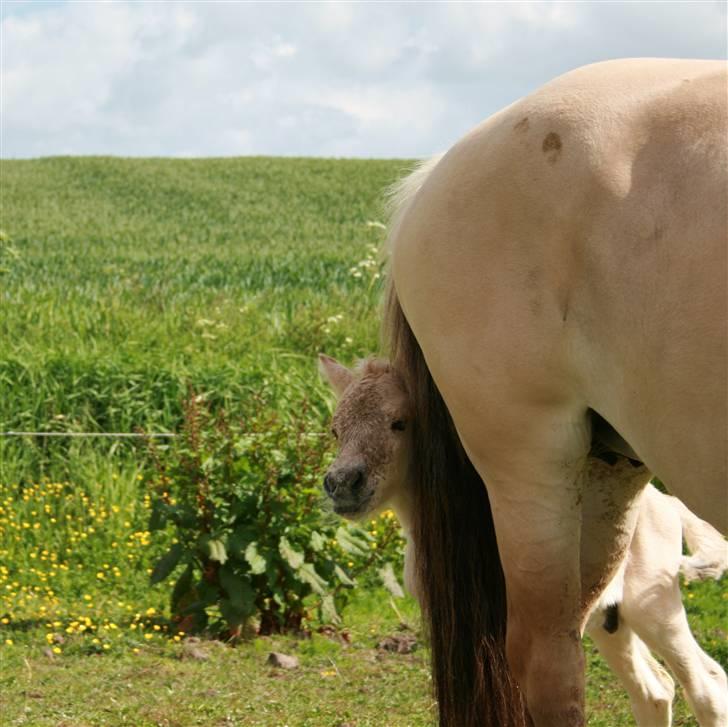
[(125, 283), (135, 278)]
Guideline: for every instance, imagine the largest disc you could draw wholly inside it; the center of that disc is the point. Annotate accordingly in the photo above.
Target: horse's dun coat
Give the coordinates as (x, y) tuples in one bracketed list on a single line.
[(568, 256)]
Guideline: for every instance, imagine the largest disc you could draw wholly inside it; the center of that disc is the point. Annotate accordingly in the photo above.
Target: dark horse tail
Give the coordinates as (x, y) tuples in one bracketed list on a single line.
[(460, 581)]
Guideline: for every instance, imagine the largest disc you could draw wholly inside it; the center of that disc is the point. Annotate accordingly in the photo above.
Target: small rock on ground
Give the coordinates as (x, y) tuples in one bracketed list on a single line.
[(192, 650), (282, 661)]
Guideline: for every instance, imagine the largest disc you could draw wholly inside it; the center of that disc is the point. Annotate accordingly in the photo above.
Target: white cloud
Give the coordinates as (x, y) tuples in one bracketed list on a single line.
[(399, 79)]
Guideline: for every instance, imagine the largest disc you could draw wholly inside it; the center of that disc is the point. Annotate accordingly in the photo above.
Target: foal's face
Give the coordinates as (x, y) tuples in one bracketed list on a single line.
[(371, 427)]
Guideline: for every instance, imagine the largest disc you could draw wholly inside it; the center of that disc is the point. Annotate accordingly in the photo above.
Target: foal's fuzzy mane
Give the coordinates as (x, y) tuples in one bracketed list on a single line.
[(372, 367)]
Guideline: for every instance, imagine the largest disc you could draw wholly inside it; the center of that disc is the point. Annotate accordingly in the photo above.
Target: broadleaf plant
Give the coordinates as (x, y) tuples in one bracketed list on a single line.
[(253, 543)]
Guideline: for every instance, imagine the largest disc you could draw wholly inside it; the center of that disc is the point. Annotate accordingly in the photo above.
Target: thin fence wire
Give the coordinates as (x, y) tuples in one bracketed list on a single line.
[(140, 435), (122, 435)]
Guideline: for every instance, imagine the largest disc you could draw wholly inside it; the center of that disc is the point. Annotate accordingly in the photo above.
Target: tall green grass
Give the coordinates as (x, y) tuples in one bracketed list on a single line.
[(137, 279)]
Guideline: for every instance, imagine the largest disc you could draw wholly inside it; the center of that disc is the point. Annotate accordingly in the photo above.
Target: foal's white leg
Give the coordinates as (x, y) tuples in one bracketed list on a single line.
[(703, 680), (653, 605), (648, 685)]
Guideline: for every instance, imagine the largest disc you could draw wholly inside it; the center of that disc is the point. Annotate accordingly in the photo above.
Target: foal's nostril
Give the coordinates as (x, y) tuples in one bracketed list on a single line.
[(356, 480), (329, 485)]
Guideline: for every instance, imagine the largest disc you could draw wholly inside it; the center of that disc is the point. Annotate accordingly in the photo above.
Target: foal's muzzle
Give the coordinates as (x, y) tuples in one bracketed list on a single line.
[(345, 487)]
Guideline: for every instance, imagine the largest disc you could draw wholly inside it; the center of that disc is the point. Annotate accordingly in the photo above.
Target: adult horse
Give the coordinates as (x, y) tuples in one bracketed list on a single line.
[(641, 605), (558, 276)]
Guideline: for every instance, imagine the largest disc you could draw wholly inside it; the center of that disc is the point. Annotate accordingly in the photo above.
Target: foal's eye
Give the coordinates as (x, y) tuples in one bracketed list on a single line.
[(333, 431), (398, 425)]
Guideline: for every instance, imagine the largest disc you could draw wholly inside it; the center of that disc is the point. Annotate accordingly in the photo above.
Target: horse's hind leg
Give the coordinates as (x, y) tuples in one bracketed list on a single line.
[(532, 465), (564, 522), (648, 685)]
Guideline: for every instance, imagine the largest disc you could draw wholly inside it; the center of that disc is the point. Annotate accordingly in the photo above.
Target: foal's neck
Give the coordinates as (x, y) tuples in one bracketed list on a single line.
[(403, 503)]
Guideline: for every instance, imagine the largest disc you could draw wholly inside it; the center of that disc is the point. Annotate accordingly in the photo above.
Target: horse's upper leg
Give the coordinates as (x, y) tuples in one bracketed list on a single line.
[(532, 467), (610, 506)]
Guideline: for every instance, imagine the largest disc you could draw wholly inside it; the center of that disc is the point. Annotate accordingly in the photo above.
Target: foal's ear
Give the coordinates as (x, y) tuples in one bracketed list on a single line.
[(337, 375)]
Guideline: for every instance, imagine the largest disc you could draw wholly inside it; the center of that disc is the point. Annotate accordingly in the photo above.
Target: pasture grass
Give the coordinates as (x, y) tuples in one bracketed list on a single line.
[(84, 640), (124, 284), (161, 683), (132, 280), (339, 682)]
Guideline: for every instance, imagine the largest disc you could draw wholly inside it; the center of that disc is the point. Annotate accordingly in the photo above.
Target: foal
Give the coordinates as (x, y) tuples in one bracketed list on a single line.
[(638, 610)]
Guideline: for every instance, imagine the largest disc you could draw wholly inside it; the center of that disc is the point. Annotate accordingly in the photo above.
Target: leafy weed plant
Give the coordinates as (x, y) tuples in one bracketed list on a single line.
[(251, 538)]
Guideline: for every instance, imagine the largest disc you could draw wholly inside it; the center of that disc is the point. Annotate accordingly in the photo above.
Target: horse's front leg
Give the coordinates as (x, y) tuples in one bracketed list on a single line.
[(534, 478)]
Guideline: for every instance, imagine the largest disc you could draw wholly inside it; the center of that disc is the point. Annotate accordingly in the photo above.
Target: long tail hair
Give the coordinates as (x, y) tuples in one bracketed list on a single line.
[(459, 576)]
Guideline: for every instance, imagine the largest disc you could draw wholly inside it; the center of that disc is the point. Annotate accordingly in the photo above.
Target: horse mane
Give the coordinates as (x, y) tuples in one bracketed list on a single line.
[(459, 576)]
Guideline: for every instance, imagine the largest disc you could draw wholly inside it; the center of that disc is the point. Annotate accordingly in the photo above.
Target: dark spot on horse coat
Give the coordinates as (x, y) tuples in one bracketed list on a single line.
[(552, 147), (611, 619), (522, 125), (552, 142)]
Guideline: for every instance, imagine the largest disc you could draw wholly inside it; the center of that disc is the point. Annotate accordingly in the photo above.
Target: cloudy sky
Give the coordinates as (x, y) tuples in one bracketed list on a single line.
[(384, 79)]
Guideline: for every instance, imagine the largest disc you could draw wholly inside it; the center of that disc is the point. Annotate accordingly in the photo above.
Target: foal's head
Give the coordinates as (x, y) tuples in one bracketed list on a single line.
[(371, 426)]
